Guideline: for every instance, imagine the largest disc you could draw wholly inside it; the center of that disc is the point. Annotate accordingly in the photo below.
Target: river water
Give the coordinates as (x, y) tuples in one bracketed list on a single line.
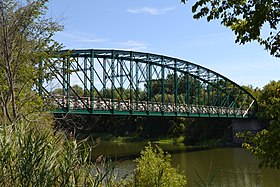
[(234, 167)]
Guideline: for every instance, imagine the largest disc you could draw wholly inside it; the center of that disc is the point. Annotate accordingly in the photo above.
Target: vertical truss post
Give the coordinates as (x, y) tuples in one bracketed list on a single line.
[(218, 96), (162, 85), (131, 82), (209, 93), (208, 89), (234, 101), (188, 89), (198, 95), (227, 95), (175, 87), (92, 81), (198, 88), (137, 83), (113, 80), (85, 77), (68, 82), (209, 99), (149, 82), (63, 81), (204, 95), (121, 78), (104, 78)]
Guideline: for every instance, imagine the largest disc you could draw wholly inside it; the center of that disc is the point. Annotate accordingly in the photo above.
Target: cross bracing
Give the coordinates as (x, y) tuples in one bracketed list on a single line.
[(134, 83)]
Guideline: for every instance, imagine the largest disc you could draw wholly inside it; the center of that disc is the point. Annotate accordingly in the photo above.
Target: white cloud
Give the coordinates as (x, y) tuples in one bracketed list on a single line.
[(78, 39), (133, 45), (150, 10), (97, 40)]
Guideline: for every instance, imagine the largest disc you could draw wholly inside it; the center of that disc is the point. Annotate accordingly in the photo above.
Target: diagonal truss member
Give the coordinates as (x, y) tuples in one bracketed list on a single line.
[(120, 82)]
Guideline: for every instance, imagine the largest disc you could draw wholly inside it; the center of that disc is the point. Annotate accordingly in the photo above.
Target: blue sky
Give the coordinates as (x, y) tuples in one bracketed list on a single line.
[(166, 28)]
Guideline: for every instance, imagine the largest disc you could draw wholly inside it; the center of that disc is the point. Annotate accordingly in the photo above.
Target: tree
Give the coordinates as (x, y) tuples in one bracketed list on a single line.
[(26, 37), (250, 20), (265, 144)]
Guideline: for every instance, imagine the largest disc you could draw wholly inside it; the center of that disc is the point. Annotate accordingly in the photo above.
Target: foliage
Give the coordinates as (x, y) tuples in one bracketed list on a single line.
[(270, 101), (31, 153), (154, 169), (77, 89), (265, 144), (34, 156), (192, 131), (250, 20), (25, 38)]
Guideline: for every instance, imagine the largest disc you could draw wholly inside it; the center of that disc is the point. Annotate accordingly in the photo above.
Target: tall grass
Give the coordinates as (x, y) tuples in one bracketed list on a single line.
[(32, 156), (36, 155)]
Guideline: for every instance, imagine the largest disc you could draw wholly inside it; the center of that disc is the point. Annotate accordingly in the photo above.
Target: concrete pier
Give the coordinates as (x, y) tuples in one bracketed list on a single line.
[(244, 125)]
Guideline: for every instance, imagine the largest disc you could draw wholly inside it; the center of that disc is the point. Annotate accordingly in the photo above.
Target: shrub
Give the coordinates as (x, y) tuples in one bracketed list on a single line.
[(154, 169)]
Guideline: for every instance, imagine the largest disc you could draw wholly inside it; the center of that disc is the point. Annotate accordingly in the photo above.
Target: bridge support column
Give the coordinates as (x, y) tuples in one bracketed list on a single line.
[(244, 125)]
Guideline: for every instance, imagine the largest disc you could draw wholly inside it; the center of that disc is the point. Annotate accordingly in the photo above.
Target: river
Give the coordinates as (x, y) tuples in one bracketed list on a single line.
[(234, 167)]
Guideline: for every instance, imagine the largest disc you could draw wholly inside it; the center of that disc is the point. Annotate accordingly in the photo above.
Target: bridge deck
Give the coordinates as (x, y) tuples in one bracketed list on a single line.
[(83, 105)]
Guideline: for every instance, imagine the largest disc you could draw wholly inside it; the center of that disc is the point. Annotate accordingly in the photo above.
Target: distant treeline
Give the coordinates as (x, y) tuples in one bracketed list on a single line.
[(196, 131)]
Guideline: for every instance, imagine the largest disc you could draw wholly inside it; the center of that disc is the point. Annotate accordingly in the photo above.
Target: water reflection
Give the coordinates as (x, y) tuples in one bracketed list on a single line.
[(230, 167)]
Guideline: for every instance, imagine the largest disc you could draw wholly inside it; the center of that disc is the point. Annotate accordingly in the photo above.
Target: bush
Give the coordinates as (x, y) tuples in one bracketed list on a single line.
[(154, 169)]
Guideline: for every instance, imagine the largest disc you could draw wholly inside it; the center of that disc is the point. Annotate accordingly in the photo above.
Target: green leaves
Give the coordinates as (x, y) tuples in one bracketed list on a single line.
[(26, 37), (154, 169), (249, 20), (266, 144)]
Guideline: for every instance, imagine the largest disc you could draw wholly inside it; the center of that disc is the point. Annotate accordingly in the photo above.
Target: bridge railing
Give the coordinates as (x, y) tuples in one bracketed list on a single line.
[(106, 104)]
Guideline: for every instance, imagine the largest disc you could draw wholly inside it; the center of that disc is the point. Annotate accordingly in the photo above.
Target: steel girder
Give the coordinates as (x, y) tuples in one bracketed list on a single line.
[(135, 83)]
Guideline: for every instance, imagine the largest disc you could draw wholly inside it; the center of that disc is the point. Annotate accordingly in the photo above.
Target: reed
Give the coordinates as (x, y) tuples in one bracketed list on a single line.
[(32, 156)]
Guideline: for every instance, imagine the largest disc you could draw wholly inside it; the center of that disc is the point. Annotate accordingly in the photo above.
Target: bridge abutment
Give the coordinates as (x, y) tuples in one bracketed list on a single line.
[(244, 125)]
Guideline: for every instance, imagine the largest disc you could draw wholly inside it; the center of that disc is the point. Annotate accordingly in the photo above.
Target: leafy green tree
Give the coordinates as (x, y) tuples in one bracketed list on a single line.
[(265, 144), (31, 154), (78, 89), (26, 37), (270, 101), (250, 20), (75, 89)]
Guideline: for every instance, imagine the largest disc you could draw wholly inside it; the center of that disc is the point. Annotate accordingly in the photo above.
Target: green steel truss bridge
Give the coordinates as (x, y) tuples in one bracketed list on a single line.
[(117, 82)]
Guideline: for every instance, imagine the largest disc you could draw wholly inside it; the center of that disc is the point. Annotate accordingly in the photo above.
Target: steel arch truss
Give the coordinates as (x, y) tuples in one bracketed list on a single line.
[(134, 83)]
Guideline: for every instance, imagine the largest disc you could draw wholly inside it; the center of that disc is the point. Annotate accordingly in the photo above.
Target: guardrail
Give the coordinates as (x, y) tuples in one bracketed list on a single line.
[(141, 106)]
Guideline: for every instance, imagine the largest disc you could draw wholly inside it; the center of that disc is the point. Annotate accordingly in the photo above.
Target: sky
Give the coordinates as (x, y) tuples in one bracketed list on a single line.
[(164, 28)]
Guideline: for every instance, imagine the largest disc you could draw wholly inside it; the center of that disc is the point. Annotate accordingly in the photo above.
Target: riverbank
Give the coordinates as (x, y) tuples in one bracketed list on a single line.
[(97, 137), (190, 131), (120, 151), (122, 139)]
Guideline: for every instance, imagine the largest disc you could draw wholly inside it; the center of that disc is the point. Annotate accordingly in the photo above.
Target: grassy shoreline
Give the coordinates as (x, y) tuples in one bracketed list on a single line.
[(158, 140), (127, 138)]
